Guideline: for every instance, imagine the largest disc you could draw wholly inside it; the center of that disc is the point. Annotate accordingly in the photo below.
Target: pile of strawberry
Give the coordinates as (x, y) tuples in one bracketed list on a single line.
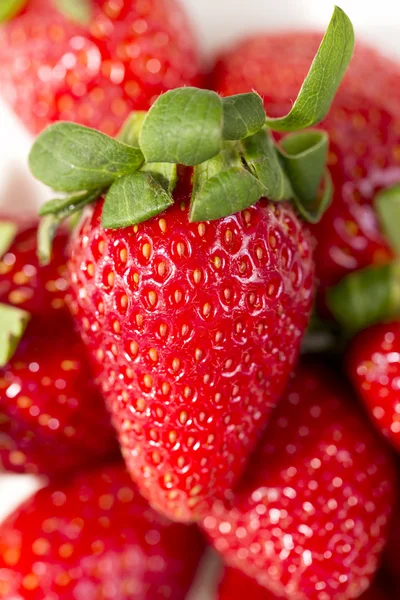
[(214, 294)]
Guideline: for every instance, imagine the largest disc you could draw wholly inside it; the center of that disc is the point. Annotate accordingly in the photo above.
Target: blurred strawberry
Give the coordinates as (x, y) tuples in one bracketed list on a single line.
[(95, 537), (52, 417), (54, 68), (363, 125), (311, 516)]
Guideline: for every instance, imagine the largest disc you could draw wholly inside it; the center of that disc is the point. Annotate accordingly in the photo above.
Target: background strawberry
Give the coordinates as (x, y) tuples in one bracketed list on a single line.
[(132, 50), (373, 364), (310, 518), (363, 125), (236, 586), (95, 537), (52, 417), (195, 328)]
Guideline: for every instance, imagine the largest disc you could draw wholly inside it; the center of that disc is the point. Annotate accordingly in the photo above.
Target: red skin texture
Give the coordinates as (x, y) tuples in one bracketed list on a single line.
[(95, 537), (52, 417), (195, 328), (310, 518), (373, 365), (237, 586), (53, 69), (363, 124)]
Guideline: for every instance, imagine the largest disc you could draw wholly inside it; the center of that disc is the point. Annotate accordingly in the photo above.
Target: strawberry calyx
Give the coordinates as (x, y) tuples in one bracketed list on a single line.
[(10, 9), (79, 11), (228, 141), (372, 295), (13, 322)]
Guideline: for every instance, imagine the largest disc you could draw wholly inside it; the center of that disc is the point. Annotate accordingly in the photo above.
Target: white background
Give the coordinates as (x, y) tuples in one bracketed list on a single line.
[(218, 22)]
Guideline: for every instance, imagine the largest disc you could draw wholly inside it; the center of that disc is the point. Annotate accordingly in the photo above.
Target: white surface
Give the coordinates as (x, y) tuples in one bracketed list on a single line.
[(218, 23)]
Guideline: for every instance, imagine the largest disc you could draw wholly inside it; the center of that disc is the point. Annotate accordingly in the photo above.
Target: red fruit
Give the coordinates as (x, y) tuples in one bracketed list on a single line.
[(40, 290), (363, 125), (52, 417), (133, 50), (236, 586), (95, 537), (311, 517), (373, 364), (195, 328)]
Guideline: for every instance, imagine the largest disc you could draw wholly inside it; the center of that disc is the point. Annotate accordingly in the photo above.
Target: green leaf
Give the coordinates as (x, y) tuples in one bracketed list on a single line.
[(261, 156), (67, 205), (132, 127), (10, 9), (184, 126), (304, 156), (47, 230), (225, 194), (8, 231), (134, 199), (79, 11), (323, 79), (72, 158), (365, 297), (244, 115), (387, 206), (13, 322)]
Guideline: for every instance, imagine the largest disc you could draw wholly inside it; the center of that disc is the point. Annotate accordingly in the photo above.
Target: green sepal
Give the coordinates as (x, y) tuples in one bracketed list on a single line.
[(13, 322), (71, 158), (79, 11), (132, 200), (365, 297), (164, 173), (304, 156), (262, 159), (183, 126), (324, 77), (10, 9), (64, 207), (8, 231), (387, 206), (244, 115)]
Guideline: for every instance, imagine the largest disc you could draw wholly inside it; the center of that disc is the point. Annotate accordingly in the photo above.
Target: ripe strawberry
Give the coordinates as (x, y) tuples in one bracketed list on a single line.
[(38, 290), (132, 50), (236, 586), (52, 417), (363, 126), (95, 537), (311, 516), (373, 364), (195, 328)]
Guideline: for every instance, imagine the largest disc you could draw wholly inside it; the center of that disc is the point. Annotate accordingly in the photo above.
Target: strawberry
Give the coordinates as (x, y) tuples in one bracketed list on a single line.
[(52, 417), (236, 586), (23, 284), (53, 68), (373, 365), (363, 126), (48, 399), (196, 328), (95, 537), (311, 516)]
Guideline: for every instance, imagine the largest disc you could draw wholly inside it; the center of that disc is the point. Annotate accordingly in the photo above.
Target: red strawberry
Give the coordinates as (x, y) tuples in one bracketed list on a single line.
[(38, 290), (363, 125), (236, 586), (311, 516), (52, 417), (55, 69), (95, 537), (195, 328), (373, 364)]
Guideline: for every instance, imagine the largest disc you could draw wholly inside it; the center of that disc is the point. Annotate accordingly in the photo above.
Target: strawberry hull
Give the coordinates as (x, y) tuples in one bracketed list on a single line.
[(195, 329)]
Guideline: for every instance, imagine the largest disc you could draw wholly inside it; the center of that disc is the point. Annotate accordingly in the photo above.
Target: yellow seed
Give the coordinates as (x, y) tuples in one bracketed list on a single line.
[(206, 309), (172, 436), (123, 255), (136, 277), (181, 462), (156, 458), (180, 248), (20, 278), (163, 329), (134, 348), (11, 556), (217, 262), (139, 320), (63, 579), (90, 269), (197, 276), (163, 225), (41, 546), (153, 354), (148, 381), (146, 250), (228, 236), (176, 363), (66, 550), (259, 253), (152, 298), (24, 402), (140, 404), (20, 296), (162, 269), (183, 417), (165, 388), (136, 228), (247, 216), (110, 278), (198, 354), (195, 491), (117, 327), (187, 392), (178, 296), (201, 229), (101, 246), (185, 330), (30, 582)]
